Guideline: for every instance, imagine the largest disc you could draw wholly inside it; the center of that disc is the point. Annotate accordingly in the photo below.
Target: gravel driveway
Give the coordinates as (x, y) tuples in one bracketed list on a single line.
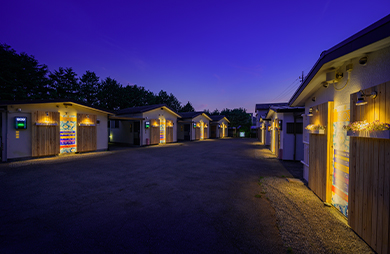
[(193, 197)]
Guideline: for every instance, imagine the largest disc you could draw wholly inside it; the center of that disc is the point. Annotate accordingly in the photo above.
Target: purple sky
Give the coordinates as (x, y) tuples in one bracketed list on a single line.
[(215, 54)]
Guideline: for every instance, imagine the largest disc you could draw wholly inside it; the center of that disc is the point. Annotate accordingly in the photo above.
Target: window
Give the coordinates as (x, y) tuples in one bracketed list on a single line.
[(114, 124), (298, 130)]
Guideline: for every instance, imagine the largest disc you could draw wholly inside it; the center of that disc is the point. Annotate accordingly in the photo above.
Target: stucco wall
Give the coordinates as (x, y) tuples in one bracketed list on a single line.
[(375, 72)]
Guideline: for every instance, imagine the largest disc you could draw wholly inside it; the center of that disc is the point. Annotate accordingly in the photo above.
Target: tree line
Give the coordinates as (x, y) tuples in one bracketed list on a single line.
[(22, 77)]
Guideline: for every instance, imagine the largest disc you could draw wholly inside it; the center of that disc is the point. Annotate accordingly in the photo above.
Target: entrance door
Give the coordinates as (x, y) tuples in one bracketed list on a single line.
[(187, 134), (137, 129), (213, 131)]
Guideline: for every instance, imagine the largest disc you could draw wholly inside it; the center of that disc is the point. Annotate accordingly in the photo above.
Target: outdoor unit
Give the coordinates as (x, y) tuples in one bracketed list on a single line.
[(331, 77)]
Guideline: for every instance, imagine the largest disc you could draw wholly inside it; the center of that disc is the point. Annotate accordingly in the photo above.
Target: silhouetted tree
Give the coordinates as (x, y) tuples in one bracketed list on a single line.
[(170, 100), (21, 76), (89, 85), (64, 84), (187, 108), (238, 117), (137, 96), (110, 94)]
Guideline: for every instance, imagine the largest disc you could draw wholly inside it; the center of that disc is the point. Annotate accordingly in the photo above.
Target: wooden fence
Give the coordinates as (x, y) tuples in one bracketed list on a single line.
[(169, 132), (197, 133), (320, 152), (86, 133), (45, 133), (369, 173), (154, 131)]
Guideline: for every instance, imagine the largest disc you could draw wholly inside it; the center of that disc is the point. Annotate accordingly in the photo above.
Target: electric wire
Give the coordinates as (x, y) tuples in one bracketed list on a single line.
[(286, 89)]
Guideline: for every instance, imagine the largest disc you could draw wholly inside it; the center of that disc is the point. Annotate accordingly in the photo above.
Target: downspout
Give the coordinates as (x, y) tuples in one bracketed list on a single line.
[(295, 135)]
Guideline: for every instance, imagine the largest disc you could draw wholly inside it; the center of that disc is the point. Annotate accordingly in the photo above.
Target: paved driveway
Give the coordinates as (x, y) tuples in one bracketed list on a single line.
[(193, 197)]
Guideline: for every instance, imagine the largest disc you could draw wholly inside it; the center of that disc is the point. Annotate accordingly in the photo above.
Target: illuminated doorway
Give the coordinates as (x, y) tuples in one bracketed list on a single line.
[(223, 129), (201, 130), (68, 125), (162, 131)]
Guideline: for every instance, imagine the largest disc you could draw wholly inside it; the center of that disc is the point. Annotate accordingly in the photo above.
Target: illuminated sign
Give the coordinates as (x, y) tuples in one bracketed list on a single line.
[(242, 134), (20, 122), (147, 125), (280, 124)]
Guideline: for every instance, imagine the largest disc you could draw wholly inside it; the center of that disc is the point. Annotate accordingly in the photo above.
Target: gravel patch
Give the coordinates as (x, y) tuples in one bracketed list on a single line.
[(305, 223)]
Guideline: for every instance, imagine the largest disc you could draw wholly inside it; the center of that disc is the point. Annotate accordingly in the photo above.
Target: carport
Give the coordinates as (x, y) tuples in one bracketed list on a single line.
[(125, 130)]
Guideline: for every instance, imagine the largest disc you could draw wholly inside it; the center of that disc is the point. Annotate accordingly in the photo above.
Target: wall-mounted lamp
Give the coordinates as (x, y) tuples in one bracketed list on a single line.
[(361, 101), (310, 112), (19, 109), (363, 61)]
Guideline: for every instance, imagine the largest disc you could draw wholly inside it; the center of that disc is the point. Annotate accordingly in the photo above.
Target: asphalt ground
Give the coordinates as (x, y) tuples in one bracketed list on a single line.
[(192, 197)]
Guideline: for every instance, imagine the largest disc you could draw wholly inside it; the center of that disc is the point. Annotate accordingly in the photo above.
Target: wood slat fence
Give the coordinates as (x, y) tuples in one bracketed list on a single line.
[(320, 152), (86, 135), (45, 138), (369, 173), (154, 131)]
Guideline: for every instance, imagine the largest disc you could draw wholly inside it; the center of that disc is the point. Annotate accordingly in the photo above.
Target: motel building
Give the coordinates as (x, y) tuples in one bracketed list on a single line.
[(261, 111), (349, 167), (219, 126), (145, 125), (265, 127), (193, 126), (285, 131), (53, 127)]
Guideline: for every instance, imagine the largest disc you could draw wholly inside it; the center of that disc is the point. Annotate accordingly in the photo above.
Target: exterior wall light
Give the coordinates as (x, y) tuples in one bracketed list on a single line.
[(361, 101), (310, 112)]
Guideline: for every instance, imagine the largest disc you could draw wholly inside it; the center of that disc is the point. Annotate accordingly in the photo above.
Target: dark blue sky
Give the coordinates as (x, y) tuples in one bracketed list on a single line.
[(215, 54)]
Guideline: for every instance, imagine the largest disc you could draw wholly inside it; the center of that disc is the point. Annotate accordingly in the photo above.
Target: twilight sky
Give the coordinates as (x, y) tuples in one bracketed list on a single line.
[(215, 54)]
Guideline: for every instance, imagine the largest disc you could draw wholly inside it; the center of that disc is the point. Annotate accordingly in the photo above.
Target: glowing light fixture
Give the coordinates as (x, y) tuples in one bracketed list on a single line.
[(310, 112), (361, 101)]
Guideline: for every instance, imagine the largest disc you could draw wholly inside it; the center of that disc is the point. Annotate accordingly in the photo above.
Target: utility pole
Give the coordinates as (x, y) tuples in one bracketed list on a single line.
[(302, 77)]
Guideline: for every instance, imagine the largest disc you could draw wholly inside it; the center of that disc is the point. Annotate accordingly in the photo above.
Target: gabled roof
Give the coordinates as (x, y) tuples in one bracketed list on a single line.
[(283, 109), (264, 106), (287, 109), (143, 109), (219, 117), (64, 101), (372, 38), (191, 115)]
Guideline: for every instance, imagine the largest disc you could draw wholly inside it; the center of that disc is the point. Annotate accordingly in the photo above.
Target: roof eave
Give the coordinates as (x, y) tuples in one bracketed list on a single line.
[(378, 31)]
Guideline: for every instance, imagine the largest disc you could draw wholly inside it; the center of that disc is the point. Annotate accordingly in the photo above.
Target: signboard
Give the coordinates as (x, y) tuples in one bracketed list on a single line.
[(340, 177), (242, 134), (68, 129), (147, 124), (280, 124), (20, 122)]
